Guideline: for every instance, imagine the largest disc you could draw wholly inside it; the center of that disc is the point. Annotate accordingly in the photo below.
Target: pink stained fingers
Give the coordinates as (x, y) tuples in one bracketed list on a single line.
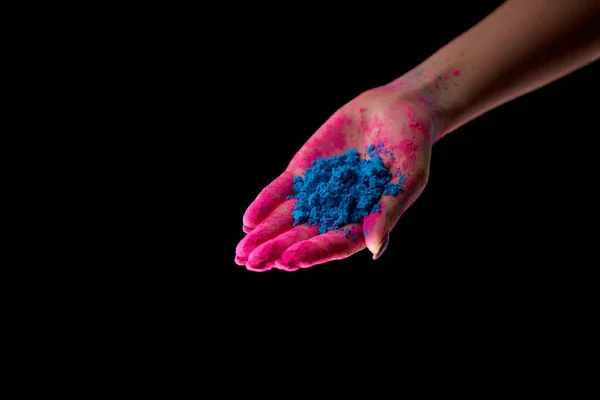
[(278, 222), (264, 256), (333, 245), (268, 199)]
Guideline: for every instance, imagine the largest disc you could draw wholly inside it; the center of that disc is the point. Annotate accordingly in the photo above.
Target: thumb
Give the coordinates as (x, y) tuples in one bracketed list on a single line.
[(377, 226)]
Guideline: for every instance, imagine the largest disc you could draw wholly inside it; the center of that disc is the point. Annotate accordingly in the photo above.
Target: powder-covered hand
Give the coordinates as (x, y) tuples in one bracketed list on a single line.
[(400, 128)]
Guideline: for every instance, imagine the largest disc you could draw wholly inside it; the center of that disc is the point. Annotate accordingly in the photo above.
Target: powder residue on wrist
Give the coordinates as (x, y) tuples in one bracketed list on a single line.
[(343, 189)]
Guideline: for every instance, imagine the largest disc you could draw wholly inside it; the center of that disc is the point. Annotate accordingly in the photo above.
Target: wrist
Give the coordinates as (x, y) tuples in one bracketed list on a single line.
[(439, 87)]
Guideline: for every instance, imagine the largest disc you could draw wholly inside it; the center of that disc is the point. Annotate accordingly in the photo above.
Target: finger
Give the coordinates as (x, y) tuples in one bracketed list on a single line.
[(268, 199), (278, 222), (265, 255), (333, 245), (377, 226)]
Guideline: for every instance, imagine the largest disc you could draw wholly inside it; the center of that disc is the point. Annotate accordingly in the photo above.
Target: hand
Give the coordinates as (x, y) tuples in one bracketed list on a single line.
[(403, 122)]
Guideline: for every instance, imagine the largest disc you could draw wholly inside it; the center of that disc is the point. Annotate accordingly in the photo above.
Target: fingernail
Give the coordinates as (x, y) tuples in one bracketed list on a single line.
[(382, 246)]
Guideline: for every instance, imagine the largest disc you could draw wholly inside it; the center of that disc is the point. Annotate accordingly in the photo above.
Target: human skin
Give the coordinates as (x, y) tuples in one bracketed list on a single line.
[(521, 46)]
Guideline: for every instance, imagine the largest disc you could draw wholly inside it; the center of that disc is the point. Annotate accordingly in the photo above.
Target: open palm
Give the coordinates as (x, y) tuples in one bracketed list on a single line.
[(378, 116)]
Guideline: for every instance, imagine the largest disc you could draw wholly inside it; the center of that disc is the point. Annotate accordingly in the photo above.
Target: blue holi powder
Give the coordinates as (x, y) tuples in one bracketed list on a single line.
[(392, 190), (341, 190), (374, 150), (398, 188)]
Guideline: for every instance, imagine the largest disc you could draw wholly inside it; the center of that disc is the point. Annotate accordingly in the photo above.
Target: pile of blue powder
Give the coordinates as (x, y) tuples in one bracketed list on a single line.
[(343, 189)]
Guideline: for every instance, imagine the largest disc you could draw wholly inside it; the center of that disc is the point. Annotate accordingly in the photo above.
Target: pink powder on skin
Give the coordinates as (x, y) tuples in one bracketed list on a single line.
[(408, 149), (362, 117), (406, 110), (328, 141), (268, 199), (321, 249), (418, 129), (372, 220), (279, 221), (373, 126), (456, 72), (265, 255), (369, 222), (383, 209)]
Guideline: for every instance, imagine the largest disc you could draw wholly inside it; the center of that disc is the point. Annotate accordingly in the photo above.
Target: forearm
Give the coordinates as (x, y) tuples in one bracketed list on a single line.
[(520, 47)]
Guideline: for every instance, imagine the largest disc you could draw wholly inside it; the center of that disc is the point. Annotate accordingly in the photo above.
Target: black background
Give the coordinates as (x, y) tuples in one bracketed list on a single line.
[(506, 206), (218, 103), (219, 100)]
